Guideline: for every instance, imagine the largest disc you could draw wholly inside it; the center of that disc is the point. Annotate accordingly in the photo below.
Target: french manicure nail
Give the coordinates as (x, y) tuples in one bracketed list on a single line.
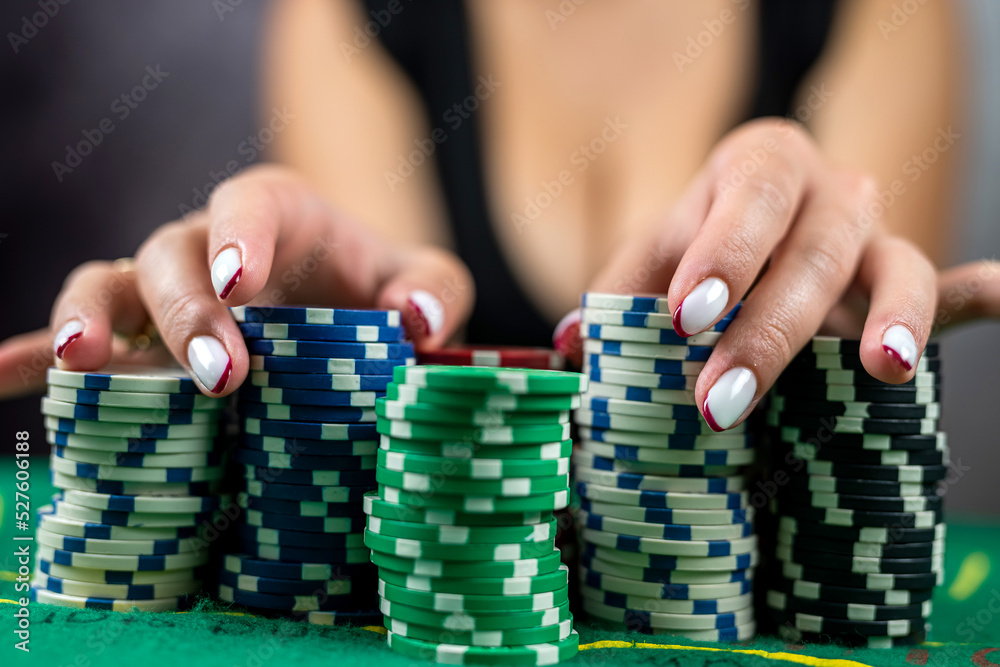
[(700, 308), (898, 343), (428, 310), (729, 398), (566, 336), (210, 362), (226, 271), (65, 336)]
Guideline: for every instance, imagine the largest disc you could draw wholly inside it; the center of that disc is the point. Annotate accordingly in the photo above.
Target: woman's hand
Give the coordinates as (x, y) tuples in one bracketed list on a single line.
[(264, 238), (768, 218)]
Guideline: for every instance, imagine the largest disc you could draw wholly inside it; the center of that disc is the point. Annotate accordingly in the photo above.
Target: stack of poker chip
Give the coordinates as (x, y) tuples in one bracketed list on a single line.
[(473, 463), (668, 544), (307, 453), (134, 455), (860, 536), (493, 355)]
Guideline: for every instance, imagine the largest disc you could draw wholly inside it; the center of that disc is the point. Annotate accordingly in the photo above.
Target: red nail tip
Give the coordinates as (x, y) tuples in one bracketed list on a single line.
[(228, 289), (224, 380), (417, 323), (895, 357), (709, 419), (70, 339), (567, 342), (677, 321)]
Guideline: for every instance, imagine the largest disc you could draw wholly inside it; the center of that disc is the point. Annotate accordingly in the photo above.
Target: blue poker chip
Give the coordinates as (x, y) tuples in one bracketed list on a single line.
[(667, 516), (246, 582), (664, 562), (292, 348), (303, 446), (294, 538), (322, 332), (663, 381), (297, 603), (309, 430), (298, 492), (593, 577), (296, 508), (602, 421), (131, 503), (273, 527), (129, 445), (311, 477), (623, 349), (139, 460), (327, 366), (256, 567), (664, 366), (341, 399), (305, 413), (655, 336), (304, 554), (303, 461), (662, 499), (304, 315), (321, 382), (659, 411), (666, 531), (138, 432), (119, 577)]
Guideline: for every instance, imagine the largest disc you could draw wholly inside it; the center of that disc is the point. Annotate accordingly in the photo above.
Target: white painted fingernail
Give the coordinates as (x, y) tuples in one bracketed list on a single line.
[(226, 271), (729, 398), (210, 362), (700, 308), (69, 333), (898, 343), (428, 310)]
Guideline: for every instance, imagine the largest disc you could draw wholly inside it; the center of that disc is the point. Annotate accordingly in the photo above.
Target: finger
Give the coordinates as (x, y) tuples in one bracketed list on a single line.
[(903, 287), (805, 278), (194, 325), (23, 360), (761, 178), (968, 292), (97, 299), (433, 290)]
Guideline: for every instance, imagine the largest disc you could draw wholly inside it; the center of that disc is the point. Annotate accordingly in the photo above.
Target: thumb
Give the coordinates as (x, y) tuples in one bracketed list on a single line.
[(434, 291)]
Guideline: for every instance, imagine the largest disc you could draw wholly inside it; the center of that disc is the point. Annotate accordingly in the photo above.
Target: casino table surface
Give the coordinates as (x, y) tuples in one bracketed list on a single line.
[(966, 624)]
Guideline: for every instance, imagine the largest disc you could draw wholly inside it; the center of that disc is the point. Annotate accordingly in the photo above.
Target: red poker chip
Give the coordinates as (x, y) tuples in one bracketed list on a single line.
[(484, 355)]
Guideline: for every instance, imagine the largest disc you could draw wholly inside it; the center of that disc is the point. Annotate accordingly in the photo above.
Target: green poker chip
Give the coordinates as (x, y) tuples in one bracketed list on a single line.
[(510, 487), (476, 468), (436, 414), (498, 638), (545, 502), (482, 379), (529, 567), (550, 653), (376, 507), (498, 435), (472, 622), (473, 602), (417, 549), (407, 393), (451, 535), (465, 449), (481, 585)]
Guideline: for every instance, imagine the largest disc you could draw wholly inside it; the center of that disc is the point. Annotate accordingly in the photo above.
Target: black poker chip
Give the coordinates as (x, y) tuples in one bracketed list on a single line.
[(782, 601), (841, 594), (790, 634), (931, 503), (865, 410), (873, 582), (895, 534), (857, 487), (832, 345), (838, 626), (861, 393), (862, 549), (872, 441), (922, 474), (857, 564), (927, 457), (859, 518), (795, 374), (837, 424), (851, 361)]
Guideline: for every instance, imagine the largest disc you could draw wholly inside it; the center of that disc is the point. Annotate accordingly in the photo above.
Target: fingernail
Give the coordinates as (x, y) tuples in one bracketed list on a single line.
[(701, 307), (210, 362), (428, 312), (898, 343), (65, 336), (729, 398), (226, 271), (566, 337)]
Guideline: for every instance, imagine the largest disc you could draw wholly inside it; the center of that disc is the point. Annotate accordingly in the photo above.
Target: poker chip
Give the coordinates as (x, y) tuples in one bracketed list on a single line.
[(638, 482), (479, 355), (337, 618), (138, 431), (797, 636), (617, 348), (85, 589), (144, 416), (130, 460), (927, 457), (458, 602), (466, 449), (289, 603), (508, 487), (126, 379), (305, 413), (111, 472), (304, 461), (594, 569), (495, 638), (863, 549), (835, 626), (425, 412), (282, 587), (305, 447), (131, 563), (321, 332), (499, 435), (327, 366), (462, 535), (630, 527), (725, 461), (838, 424), (529, 567), (103, 501), (350, 556), (866, 410), (117, 577), (895, 534), (642, 320), (644, 365), (308, 348), (298, 508), (856, 377), (858, 564), (309, 397), (499, 401), (836, 393), (836, 594), (473, 468), (171, 489), (872, 441), (44, 596), (681, 397), (129, 445), (544, 502), (662, 499), (309, 430), (646, 409), (468, 622), (140, 400), (272, 521), (822, 484), (808, 360), (62, 525), (309, 477), (298, 492), (328, 316), (502, 586), (607, 332), (509, 380), (885, 473), (376, 507), (320, 382), (300, 571), (299, 538), (866, 503)]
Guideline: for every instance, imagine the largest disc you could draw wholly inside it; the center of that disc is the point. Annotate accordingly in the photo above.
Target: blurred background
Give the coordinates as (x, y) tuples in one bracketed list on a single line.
[(200, 116)]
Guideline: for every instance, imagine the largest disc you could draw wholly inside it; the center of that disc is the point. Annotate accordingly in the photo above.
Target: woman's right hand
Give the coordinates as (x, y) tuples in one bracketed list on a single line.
[(264, 238)]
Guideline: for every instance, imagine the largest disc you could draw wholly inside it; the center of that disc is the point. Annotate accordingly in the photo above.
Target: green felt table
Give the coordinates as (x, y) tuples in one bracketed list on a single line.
[(966, 623)]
